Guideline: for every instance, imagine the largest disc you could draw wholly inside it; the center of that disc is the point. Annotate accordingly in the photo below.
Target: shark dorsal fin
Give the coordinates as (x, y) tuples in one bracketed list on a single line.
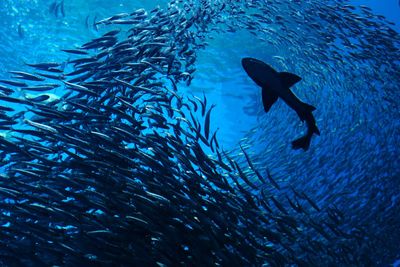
[(288, 79)]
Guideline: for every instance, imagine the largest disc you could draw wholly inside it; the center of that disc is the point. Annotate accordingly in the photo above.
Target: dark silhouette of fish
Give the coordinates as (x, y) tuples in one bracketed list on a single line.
[(276, 85), (21, 32), (55, 8)]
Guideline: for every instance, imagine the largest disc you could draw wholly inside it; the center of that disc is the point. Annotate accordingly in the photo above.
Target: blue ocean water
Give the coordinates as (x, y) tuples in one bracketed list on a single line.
[(349, 70)]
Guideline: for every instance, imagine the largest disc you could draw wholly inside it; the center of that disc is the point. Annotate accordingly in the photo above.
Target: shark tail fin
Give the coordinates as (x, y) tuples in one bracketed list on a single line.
[(302, 142)]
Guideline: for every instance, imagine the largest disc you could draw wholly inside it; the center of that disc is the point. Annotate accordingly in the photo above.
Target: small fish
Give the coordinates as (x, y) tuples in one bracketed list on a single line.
[(112, 33), (40, 88), (252, 166), (214, 139), (244, 177), (87, 21), (52, 7), (13, 83), (6, 90), (43, 66), (3, 108), (13, 99), (21, 31), (39, 98), (312, 203), (278, 205), (41, 126), (62, 10), (207, 123), (80, 88), (26, 76), (75, 51), (95, 24), (272, 180)]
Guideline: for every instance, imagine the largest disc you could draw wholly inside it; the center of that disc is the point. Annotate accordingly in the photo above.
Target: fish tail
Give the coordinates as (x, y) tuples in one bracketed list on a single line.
[(302, 142)]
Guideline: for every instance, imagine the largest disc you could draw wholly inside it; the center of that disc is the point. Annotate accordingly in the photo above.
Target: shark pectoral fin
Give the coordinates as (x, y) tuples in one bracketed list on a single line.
[(269, 97), (288, 79)]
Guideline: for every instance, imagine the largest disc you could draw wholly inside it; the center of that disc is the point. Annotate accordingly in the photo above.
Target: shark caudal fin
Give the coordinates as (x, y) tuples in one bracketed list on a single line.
[(302, 142)]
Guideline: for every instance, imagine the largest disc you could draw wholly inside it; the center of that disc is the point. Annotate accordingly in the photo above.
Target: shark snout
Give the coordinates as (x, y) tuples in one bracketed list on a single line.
[(246, 62), (253, 69), (251, 65)]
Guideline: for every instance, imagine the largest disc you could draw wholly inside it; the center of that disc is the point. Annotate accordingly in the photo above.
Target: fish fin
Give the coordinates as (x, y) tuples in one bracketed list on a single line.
[(309, 107), (316, 130), (269, 97), (289, 79), (302, 142)]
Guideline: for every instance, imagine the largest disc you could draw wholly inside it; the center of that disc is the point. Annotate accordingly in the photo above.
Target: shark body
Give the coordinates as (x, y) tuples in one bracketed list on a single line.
[(277, 85)]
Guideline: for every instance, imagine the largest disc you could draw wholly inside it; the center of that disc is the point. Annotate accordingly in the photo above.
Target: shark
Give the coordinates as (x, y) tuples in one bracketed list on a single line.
[(276, 85)]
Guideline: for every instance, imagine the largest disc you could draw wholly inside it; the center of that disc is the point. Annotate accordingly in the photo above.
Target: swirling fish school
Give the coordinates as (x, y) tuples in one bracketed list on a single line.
[(124, 169)]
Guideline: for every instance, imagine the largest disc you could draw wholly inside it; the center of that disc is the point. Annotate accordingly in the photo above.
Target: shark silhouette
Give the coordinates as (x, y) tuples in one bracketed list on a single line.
[(276, 85)]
